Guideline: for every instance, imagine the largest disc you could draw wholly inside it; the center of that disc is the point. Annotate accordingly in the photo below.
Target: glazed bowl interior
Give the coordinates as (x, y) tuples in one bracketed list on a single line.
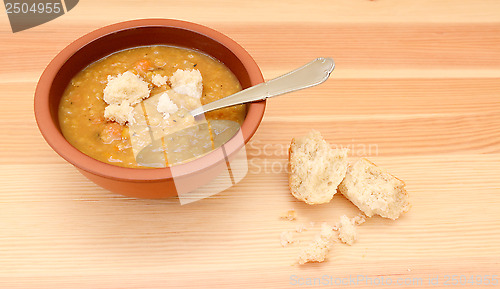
[(110, 39)]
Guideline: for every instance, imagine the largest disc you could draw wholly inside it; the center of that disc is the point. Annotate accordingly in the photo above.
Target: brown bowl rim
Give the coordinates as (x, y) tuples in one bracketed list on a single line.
[(60, 145)]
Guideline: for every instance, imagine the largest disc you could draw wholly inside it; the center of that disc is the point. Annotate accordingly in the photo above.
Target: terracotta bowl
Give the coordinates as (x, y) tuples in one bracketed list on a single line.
[(143, 183)]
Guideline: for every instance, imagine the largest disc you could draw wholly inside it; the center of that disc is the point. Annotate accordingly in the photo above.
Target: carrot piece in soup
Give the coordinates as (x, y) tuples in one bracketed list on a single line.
[(142, 66), (111, 132)]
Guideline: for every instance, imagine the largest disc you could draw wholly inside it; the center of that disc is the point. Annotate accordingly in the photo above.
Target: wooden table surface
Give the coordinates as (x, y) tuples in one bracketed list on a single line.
[(416, 89)]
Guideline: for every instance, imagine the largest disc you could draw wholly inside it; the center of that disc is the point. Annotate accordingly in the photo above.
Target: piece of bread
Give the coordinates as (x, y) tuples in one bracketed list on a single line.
[(166, 105), (188, 82), (159, 80), (315, 168), (125, 88), (374, 191), (318, 249), (121, 93), (347, 230), (120, 113)]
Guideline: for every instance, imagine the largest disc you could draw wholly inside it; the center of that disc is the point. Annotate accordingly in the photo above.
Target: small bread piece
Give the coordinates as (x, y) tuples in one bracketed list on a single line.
[(159, 80), (121, 93), (120, 113), (318, 249), (374, 191), (188, 82), (347, 230), (125, 88), (166, 105), (315, 168)]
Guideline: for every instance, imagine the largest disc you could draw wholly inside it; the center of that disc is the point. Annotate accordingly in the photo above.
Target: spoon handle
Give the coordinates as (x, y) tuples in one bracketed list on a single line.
[(311, 74)]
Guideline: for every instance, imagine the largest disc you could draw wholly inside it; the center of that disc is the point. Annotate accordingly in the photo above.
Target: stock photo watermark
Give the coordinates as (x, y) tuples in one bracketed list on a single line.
[(273, 158), (25, 14), (253, 158), (375, 281)]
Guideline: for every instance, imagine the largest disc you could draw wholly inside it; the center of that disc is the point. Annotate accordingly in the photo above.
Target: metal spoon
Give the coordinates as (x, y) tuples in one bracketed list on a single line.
[(311, 74), (153, 155)]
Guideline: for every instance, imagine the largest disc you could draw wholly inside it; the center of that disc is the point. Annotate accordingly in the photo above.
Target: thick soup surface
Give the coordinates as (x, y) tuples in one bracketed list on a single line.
[(81, 111)]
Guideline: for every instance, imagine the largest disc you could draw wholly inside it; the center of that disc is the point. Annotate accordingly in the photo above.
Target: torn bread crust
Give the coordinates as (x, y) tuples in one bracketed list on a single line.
[(315, 168), (318, 249), (374, 191)]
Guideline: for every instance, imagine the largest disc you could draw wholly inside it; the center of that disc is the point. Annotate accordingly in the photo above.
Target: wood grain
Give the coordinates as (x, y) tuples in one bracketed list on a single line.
[(416, 89)]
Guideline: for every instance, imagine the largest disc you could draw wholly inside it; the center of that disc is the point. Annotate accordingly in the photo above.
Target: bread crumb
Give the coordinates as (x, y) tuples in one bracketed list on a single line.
[(120, 113), (286, 238), (318, 249), (125, 88), (187, 82), (359, 219), (347, 230), (374, 191), (315, 168), (300, 228), (290, 215), (166, 105), (121, 93), (159, 80)]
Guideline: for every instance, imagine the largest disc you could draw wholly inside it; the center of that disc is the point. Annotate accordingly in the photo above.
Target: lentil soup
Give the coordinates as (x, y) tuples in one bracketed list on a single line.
[(81, 110)]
